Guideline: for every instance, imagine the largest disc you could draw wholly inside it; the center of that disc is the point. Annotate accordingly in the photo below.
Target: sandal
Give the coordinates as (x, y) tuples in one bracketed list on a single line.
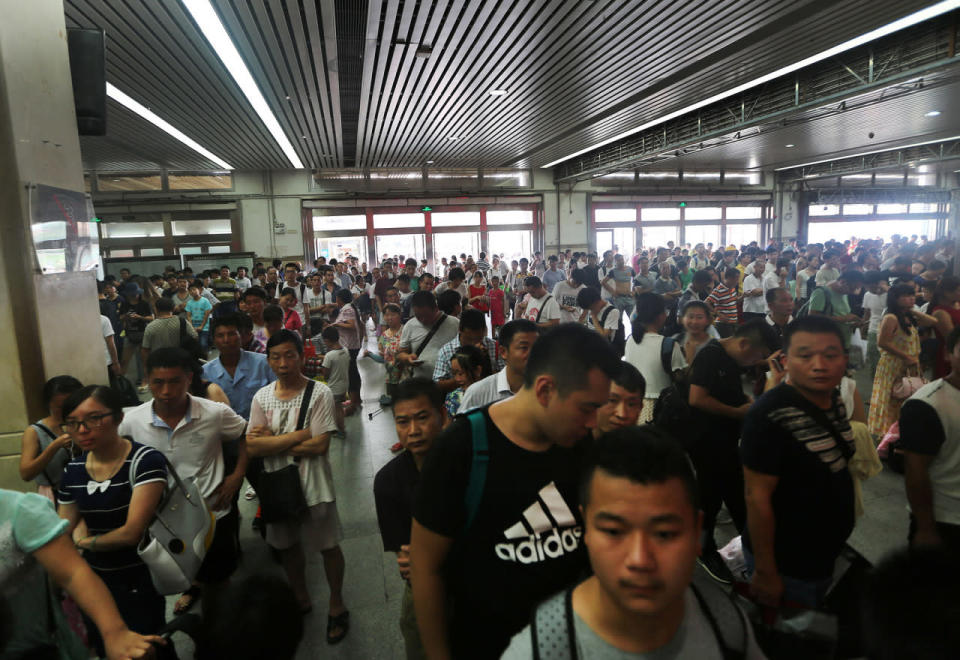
[(341, 621), (187, 600)]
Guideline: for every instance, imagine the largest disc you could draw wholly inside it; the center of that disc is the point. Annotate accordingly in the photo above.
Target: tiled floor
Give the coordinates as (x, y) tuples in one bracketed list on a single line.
[(372, 585)]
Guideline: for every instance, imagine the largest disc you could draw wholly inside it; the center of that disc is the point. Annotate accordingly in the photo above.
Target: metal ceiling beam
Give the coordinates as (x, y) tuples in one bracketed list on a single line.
[(884, 160), (905, 62)]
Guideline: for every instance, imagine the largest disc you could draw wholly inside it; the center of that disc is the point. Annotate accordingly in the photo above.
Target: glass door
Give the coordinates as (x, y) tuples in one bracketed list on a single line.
[(395, 245), (340, 247), (456, 243), (511, 244), (622, 240)]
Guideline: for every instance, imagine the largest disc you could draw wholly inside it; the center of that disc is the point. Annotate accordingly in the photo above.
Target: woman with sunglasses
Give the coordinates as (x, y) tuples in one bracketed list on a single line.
[(96, 489)]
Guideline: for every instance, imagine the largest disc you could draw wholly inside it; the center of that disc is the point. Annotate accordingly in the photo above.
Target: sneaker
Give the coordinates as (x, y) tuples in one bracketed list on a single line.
[(250, 493), (396, 447), (715, 567)]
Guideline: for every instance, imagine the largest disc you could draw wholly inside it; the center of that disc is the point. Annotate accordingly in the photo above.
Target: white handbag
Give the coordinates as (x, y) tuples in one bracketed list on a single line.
[(177, 539)]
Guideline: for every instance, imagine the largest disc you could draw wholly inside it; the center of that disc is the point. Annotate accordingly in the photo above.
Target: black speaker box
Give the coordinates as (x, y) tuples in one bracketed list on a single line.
[(86, 48)]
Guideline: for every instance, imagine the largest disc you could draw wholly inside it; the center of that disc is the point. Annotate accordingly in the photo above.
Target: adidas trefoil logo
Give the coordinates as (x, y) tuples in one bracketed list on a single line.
[(547, 530)]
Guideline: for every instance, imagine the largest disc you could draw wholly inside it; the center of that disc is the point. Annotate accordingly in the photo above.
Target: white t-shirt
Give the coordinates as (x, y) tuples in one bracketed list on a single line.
[(645, 356), (316, 477), (243, 283), (876, 303), (826, 275), (753, 304), (413, 334), (567, 295), (770, 281), (338, 362), (551, 310), (612, 322), (107, 330)]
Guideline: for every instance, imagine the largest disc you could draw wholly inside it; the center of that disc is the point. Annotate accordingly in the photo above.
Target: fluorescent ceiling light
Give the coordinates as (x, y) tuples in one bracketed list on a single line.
[(933, 113), (141, 110), (209, 23), (868, 153), (901, 24), (789, 146), (498, 92)]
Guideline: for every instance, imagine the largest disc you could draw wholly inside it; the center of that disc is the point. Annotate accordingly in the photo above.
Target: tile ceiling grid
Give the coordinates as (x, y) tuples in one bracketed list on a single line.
[(417, 35), (256, 38), (853, 21), (400, 56), (153, 72), (542, 37)]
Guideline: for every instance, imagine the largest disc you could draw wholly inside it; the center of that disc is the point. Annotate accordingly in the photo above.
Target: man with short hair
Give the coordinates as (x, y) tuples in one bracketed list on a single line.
[(322, 299), (482, 264), (226, 290), (795, 447), (253, 301), (539, 306), (425, 334), (191, 432), (509, 553), (602, 316), (553, 274), (419, 416), (831, 300), (644, 599), (515, 340), (754, 304), (779, 311), (698, 289), (290, 273), (565, 293), (239, 373), (718, 405), (473, 332), (625, 402), (166, 330)]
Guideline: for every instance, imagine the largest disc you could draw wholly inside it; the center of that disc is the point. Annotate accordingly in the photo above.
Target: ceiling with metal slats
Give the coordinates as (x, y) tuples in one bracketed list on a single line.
[(397, 83)]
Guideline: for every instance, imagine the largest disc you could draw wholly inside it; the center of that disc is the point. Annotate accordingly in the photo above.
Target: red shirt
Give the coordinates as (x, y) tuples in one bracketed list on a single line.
[(291, 320)]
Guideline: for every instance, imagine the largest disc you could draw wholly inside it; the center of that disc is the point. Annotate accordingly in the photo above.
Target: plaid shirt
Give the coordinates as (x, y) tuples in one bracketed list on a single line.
[(255, 346), (442, 369)]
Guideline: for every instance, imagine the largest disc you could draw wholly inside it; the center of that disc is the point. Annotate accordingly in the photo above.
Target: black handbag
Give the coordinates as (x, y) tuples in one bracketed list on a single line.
[(280, 491)]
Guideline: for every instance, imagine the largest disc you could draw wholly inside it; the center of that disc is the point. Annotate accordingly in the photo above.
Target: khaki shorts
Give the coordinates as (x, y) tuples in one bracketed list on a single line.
[(318, 529)]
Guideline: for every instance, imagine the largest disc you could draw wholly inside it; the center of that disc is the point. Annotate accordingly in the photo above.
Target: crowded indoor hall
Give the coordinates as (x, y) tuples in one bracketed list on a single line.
[(463, 329)]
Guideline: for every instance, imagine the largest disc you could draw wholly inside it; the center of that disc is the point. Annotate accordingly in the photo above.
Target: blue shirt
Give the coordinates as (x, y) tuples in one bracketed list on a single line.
[(251, 374), (196, 309), (551, 277)]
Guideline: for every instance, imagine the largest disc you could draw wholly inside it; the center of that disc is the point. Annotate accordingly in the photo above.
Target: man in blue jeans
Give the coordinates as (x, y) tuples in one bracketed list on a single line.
[(795, 447)]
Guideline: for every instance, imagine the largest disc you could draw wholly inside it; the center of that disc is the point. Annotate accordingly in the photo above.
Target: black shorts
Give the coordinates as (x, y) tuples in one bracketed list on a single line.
[(353, 373), (224, 552)]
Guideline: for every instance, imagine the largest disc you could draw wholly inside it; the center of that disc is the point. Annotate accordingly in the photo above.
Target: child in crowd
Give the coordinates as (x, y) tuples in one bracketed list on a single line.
[(723, 300), (199, 310), (497, 298), (272, 320), (291, 318), (478, 294), (697, 324), (467, 366), (335, 367)]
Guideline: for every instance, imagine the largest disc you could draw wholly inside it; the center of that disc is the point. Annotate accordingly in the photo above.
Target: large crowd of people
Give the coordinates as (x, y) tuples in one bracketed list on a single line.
[(570, 429)]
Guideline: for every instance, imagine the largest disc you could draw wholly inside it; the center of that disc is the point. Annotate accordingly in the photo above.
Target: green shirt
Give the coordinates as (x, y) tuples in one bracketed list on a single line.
[(224, 289), (838, 305)]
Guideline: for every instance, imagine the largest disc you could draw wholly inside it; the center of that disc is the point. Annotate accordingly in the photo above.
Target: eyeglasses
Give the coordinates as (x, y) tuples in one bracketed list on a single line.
[(91, 422)]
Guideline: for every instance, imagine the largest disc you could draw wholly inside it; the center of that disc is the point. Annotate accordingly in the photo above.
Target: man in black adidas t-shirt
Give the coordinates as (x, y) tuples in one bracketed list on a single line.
[(481, 563), (795, 447)]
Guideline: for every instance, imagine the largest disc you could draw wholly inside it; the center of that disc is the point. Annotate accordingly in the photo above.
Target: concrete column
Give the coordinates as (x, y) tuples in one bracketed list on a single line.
[(52, 321), (953, 228)]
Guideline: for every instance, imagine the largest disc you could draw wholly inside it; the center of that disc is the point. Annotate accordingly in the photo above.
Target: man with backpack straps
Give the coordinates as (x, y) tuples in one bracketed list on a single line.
[(425, 334), (540, 307), (604, 318), (496, 525), (646, 598)]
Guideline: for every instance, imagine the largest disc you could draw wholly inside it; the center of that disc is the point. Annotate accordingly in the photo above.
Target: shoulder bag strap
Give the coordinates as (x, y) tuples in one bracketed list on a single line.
[(302, 414), (605, 315), (730, 649), (542, 305), (666, 355), (552, 629), (821, 418), (478, 466), (40, 426), (183, 331), (433, 331)]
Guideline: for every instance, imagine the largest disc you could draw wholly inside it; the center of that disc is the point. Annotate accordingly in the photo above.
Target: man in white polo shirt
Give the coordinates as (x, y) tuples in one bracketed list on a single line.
[(190, 432), (516, 338)]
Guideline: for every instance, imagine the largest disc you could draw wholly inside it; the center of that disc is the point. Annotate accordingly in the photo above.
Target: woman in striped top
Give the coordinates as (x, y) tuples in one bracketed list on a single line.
[(723, 302), (96, 489)]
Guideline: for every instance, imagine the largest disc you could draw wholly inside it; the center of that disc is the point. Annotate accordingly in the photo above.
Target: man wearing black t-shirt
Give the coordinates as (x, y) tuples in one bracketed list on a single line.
[(419, 415), (719, 404), (480, 563), (795, 447)]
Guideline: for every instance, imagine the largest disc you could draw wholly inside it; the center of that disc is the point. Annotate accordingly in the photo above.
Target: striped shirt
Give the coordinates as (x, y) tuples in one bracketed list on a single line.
[(103, 504), (724, 301)]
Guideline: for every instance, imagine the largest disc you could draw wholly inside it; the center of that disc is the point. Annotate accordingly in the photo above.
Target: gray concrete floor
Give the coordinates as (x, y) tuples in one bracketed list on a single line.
[(373, 588)]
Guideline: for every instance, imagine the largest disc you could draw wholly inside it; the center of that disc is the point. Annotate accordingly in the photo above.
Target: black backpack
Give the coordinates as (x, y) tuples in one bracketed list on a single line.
[(619, 341)]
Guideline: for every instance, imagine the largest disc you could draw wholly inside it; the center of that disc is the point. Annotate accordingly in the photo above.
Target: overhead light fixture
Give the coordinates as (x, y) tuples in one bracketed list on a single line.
[(429, 162), (868, 153), (453, 138), (498, 92), (212, 28), (141, 110), (789, 146), (933, 113), (423, 52), (900, 24)]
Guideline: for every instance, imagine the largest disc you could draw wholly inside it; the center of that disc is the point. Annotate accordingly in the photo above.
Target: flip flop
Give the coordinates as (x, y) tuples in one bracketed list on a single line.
[(341, 621)]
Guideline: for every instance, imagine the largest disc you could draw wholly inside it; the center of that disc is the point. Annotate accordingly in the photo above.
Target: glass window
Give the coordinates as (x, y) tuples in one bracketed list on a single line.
[(694, 234), (338, 222), (743, 212), (669, 213), (459, 219), (395, 220), (742, 234), (208, 227), (857, 209), (200, 181), (899, 209), (151, 252), (824, 209), (446, 245), (218, 249), (819, 232), (120, 253), (511, 244), (190, 249), (341, 247), (129, 182), (616, 215), (925, 207), (55, 260), (132, 229), (654, 236), (702, 213), (514, 217)]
